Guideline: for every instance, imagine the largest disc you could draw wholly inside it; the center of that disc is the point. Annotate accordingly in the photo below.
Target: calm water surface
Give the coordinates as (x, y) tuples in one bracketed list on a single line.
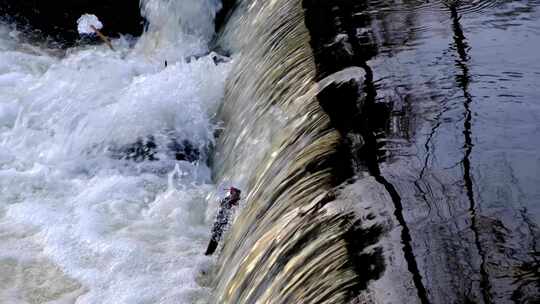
[(461, 142)]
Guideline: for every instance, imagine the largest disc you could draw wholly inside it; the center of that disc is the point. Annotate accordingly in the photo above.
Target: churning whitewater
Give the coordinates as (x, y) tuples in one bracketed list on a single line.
[(81, 219)]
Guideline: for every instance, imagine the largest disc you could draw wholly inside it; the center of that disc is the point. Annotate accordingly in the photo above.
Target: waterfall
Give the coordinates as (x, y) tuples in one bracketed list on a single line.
[(311, 100), (293, 241), (382, 150)]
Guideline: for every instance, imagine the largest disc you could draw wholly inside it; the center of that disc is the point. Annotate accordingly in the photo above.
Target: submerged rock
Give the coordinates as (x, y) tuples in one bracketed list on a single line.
[(149, 150)]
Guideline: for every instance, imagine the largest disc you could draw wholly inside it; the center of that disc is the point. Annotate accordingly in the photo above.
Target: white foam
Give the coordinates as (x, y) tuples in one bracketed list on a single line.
[(116, 231), (87, 23)]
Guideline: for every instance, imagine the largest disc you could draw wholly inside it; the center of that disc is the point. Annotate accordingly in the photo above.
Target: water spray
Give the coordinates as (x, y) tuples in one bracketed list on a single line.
[(89, 24)]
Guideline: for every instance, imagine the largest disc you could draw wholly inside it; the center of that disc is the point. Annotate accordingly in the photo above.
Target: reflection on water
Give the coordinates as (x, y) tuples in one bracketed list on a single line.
[(460, 143)]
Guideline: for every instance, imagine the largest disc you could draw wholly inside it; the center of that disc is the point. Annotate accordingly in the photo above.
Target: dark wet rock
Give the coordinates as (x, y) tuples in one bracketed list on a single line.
[(148, 150), (58, 19), (223, 14), (338, 44), (184, 150), (341, 39), (141, 150), (370, 264)]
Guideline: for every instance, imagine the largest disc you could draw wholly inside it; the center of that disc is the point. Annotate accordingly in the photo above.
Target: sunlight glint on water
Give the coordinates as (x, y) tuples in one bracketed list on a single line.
[(77, 224)]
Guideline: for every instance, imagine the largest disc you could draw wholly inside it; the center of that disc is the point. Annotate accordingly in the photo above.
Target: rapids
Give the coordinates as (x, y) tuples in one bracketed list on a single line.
[(78, 222)]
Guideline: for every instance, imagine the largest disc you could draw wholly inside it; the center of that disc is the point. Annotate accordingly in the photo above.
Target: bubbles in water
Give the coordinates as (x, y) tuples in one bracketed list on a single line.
[(107, 226), (177, 29), (87, 23)]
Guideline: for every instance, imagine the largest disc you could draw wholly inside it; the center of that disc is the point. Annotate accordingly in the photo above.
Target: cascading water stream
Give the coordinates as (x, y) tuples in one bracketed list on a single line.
[(339, 124), (95, 206)]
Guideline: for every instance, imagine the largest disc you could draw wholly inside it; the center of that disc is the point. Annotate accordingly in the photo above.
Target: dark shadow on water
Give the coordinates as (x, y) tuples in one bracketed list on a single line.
[(463, 81), (58, 19), (352, 107)]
